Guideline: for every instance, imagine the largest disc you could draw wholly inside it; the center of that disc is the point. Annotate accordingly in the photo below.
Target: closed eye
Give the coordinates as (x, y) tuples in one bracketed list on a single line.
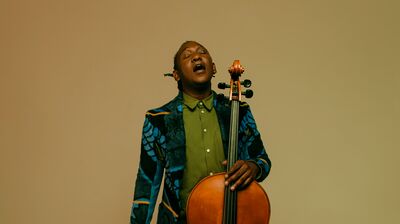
[(186, 54), (202, 51)]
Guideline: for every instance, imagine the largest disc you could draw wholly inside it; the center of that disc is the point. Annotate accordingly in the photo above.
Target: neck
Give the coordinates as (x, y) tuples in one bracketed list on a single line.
[(198, 94)]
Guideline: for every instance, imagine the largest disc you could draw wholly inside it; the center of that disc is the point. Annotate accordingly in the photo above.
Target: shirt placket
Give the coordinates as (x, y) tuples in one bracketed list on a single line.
[(206, 137)]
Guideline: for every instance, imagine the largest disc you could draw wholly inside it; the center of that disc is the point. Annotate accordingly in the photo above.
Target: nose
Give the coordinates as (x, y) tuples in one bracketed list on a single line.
[(196, 57)]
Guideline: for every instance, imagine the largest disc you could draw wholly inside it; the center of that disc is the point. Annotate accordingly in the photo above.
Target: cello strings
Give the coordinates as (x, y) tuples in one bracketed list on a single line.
[(231, 196)]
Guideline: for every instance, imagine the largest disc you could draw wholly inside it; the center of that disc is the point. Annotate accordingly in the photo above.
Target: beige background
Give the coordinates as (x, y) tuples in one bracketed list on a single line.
[(78, 76)]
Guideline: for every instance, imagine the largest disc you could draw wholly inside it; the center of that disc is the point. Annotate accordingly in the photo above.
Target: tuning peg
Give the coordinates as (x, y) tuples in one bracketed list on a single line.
[(223, 85), (248, 93), (246, 83), (222, 97)]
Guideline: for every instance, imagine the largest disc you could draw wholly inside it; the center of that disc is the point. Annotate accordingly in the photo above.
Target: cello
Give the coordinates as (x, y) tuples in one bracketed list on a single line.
[(210, 201)]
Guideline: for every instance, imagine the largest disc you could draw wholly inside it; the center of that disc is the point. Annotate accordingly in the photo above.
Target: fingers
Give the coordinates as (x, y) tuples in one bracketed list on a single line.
[(237, 166), (225, 162), (241, 174), (243, 179)]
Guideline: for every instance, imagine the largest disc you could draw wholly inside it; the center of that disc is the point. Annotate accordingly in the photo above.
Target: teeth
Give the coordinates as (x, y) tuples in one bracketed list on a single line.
[(198, 67)]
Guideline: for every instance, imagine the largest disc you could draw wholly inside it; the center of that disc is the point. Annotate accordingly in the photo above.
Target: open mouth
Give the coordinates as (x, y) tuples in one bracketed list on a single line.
[(199, 68)]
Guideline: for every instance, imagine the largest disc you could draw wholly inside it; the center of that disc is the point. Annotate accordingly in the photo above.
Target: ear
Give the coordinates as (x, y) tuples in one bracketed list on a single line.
[(176, 75), (214, 69)]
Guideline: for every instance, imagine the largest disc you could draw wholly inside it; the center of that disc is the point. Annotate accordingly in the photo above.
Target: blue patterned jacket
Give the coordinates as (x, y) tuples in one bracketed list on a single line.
[(163, 148)]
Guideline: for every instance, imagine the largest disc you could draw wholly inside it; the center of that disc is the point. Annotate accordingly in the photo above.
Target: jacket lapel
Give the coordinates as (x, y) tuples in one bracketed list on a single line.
[(175, 135)]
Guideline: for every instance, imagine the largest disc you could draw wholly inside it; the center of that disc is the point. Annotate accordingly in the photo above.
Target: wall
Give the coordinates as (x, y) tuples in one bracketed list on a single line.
[(76, 78)]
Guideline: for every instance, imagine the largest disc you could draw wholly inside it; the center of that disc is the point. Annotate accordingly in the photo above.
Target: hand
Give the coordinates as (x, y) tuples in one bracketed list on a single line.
[(242, 173)]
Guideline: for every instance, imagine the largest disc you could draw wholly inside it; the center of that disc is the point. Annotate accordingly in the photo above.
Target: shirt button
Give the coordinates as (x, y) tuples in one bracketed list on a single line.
[(211, 173), (208, 150), (205, 130), (201, 103), (202, 111)]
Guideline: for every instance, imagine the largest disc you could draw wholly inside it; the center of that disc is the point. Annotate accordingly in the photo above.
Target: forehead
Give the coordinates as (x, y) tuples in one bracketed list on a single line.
[(190, 44)]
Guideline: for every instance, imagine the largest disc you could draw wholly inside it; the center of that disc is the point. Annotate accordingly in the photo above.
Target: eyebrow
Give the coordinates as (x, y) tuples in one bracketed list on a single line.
[(198, 47)]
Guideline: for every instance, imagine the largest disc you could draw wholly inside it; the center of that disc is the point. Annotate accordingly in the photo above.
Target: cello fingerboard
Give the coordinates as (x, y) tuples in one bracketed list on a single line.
[(230, 197)]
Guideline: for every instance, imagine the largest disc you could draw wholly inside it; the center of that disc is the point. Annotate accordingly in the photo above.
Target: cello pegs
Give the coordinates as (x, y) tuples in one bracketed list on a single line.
[(223, 85), (222, 97), (248, 93), (246, 83)]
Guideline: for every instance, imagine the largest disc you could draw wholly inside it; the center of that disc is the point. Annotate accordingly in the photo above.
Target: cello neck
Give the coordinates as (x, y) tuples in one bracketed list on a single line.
[(235, 96), (233, 135), (230, 197)]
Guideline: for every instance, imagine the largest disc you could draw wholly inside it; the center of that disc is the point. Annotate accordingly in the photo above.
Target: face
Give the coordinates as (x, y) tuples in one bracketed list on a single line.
[(195, 67)]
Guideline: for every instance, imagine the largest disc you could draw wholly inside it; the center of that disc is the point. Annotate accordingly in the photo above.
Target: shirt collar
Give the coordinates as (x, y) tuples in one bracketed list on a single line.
[(192, 102)]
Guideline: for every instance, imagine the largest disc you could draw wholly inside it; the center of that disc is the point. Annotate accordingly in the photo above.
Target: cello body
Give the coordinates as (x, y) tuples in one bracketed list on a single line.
[(207, 201)]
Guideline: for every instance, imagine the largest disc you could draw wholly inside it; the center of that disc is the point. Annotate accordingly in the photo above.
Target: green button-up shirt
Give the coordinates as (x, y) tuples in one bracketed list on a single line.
[(204, 149)]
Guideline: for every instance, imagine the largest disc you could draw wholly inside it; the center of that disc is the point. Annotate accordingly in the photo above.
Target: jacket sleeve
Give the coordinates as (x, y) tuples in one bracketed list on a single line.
[(149, 176), (252, 145)]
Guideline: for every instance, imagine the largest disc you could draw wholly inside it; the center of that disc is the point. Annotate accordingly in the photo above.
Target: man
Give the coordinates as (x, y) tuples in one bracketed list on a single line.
[(188, 139)]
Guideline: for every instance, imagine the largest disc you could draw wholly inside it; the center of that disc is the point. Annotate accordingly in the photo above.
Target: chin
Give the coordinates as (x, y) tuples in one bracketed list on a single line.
[(204, 81)]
